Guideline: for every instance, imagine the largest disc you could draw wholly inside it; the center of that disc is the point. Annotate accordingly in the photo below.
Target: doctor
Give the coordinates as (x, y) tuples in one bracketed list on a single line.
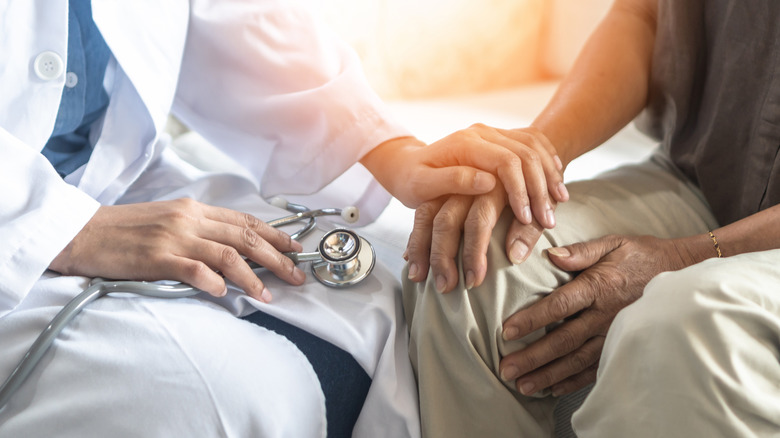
[(85, 99)]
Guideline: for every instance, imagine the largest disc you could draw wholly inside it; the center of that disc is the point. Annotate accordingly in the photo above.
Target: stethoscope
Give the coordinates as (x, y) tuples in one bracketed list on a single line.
[(343, 258)]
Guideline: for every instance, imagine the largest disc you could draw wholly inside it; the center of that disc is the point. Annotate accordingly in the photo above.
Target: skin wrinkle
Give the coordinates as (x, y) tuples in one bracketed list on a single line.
[(250, 237), (616, 287)]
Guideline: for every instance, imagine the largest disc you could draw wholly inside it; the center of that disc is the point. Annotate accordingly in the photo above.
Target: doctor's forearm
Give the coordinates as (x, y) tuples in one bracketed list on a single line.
[(607, 86)]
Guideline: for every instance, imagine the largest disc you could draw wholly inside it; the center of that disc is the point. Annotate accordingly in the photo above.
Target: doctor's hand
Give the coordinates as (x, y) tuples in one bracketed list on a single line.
[(466, 163), (181, 240), (615, 271)]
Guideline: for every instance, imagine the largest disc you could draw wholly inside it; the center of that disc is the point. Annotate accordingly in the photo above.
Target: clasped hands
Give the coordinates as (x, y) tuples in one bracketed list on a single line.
[(185, 240), (613, 270)]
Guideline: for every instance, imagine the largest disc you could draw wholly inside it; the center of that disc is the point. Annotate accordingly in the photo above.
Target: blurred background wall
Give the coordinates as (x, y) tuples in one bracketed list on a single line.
[(427, 48)]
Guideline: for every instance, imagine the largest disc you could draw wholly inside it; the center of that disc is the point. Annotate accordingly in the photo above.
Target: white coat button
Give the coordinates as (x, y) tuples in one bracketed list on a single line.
[(71, 79), (48, 66)]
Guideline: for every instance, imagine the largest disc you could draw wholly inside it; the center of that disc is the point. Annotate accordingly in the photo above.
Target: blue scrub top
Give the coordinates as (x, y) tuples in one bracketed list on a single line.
[(84, 99)]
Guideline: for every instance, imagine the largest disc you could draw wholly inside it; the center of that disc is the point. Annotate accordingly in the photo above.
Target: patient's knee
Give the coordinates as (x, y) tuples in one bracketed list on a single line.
[(469, 322)]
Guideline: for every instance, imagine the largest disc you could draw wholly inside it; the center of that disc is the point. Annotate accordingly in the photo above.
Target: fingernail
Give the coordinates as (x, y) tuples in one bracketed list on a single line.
[(413, 271), (224, 292), (441, 283), (298, 275), (550, 217), (563, 192), (510, 333), (296, 246), (406, 255), (559, 252), (527, 388), (483, 182), (518, 252), (526, 216), (265, 295), (510, 372), (470, 279), (558, 163)]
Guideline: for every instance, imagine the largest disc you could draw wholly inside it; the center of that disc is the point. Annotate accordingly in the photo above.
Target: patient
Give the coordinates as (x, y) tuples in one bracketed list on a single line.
[(659, 280), (85, 93)]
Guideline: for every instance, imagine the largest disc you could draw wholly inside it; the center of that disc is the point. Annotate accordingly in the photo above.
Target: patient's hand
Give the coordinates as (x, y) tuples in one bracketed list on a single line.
[(181, 240), (465, 163), (439, 224), (615, 270)]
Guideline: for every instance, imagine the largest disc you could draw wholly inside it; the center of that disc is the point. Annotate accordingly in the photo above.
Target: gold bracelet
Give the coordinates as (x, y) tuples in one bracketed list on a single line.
[(717, 246)]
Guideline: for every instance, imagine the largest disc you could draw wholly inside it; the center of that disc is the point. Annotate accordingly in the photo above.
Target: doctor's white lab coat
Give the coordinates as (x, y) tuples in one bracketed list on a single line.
[(266, 84)]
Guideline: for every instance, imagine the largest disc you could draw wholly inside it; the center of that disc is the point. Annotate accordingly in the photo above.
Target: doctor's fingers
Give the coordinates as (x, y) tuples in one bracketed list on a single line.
[(477, 231), (204, 273), (553, 166), (430, 183), (251, 227), (418, 248), (233, 243), (542, 171), (522, 168), (206, 259), (446, 235)]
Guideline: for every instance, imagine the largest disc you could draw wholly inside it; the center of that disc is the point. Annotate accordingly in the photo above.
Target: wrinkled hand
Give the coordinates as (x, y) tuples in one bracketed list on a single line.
[(615, 271), (181, 240), (438, 224), (465, 163)]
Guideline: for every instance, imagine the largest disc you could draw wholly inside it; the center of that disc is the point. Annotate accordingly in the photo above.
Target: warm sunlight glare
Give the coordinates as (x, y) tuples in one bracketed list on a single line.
[(424, 48)]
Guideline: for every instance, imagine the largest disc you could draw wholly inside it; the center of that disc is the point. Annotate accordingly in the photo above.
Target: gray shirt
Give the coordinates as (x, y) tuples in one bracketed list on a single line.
[(715, 99)]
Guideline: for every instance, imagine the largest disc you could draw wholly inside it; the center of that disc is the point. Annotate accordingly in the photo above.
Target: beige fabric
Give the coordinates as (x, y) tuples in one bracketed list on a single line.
[(717, 327), (456, 341)]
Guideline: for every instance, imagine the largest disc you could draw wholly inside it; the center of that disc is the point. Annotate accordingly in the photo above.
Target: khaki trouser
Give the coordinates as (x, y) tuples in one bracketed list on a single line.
[(698, 351)]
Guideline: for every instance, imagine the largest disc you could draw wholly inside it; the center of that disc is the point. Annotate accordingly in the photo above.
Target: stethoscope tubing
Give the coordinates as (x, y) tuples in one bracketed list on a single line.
[(300, 213), (99, 287)]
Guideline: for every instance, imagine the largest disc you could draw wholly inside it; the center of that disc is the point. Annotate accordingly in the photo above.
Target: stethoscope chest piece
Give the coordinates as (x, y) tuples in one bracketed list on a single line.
[(347, 259)]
